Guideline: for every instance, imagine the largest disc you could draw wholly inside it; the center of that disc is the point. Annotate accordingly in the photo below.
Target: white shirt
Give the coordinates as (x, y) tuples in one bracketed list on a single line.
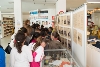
[(21, 59), (40, 54), (31, 45), (12, 40)]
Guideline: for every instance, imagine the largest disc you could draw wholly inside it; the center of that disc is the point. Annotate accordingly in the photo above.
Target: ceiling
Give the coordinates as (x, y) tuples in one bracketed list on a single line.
[(28, 5)]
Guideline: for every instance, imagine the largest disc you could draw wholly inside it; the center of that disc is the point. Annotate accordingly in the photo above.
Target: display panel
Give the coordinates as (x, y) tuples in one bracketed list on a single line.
[(79, 35), (65, 30)]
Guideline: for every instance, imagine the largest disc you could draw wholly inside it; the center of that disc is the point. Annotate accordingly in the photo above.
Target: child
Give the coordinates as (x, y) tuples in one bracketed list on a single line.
[(38, 54)]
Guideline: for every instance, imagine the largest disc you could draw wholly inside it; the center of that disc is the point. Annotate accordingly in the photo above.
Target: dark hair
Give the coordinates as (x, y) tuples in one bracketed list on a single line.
[(45, 40), (20, 38), (38, 43), (42, 26), (23, 29), (34, 26), (29, 30), (43, 33), (51, 28), (27, 21), (56, 35), (35, 36)]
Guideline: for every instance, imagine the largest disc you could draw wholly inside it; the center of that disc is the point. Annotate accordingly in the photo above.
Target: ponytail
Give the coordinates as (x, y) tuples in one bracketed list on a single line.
[(20, 38), (38, 42)]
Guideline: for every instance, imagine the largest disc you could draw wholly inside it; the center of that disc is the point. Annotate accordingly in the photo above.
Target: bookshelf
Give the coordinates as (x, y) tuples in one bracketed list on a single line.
[(7, 26)]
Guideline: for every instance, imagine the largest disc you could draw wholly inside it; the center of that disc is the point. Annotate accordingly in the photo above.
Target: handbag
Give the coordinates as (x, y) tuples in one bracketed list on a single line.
[(8, 49)]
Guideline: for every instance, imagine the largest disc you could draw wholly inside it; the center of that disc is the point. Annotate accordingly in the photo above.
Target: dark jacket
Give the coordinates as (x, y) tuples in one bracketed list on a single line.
[(53, 44)]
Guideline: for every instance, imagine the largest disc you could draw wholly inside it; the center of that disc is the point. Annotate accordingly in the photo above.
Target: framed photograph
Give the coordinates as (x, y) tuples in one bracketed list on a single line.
[(62, 41), (46, 22), (69, 33), (65, 20), (79, 39), (65, 43), (65, 32), (61, 22), (69, 45), (68, 20), (61, 30)]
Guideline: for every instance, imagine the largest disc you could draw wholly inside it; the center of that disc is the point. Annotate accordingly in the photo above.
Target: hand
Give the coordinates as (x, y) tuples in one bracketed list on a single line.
[(44, 57)]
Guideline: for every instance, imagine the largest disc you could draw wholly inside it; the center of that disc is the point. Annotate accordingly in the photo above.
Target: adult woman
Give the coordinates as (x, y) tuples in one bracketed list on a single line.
[(27, 22), (29, 35), (20, 55)]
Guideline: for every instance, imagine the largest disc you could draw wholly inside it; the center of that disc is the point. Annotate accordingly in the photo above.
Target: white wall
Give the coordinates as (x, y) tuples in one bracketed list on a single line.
[(25, 17), (60, 6)]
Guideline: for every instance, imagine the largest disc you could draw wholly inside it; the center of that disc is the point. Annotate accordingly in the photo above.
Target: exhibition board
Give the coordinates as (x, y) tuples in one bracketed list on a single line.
[(71, 27), (64, 29), (43, 17), (79, 37)]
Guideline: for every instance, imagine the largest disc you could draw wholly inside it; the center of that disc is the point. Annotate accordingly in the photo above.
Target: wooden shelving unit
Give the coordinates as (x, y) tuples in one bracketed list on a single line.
[(7, 26)]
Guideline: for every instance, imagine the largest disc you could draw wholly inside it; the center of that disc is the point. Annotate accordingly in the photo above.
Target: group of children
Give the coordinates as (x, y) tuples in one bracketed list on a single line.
[(28, 45)]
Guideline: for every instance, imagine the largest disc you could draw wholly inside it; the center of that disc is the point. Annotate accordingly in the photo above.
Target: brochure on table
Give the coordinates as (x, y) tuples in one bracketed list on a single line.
[(72, 28)]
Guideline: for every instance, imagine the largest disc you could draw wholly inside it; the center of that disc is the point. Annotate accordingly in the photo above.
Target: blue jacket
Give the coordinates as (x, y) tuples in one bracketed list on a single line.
[(2, 57)]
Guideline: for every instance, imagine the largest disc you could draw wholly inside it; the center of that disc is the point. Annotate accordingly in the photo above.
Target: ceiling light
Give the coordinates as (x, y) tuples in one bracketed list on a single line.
[(93, 2), (9, 8), (11, 2)]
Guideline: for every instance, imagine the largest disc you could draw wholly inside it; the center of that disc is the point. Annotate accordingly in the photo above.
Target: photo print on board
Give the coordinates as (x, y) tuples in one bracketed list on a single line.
[(69, 33), (37, 22), (69, 45), (61, 30), (65, 32), (62, 41), (79, 39), (61, 20), (68, 20), (43, 22), (65, 20), (65, 42), (46, 22), (58, 20)]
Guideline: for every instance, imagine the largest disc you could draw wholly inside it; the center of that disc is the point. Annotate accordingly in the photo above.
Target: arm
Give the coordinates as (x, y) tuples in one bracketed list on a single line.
[(12, 59), (39, 55)]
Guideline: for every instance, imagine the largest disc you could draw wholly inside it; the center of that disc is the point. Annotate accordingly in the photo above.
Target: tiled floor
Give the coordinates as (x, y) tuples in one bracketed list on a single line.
[(4, 43)]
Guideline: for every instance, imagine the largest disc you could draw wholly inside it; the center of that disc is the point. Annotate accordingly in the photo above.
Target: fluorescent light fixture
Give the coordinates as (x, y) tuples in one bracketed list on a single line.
[(93, 2), (7, 13)]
